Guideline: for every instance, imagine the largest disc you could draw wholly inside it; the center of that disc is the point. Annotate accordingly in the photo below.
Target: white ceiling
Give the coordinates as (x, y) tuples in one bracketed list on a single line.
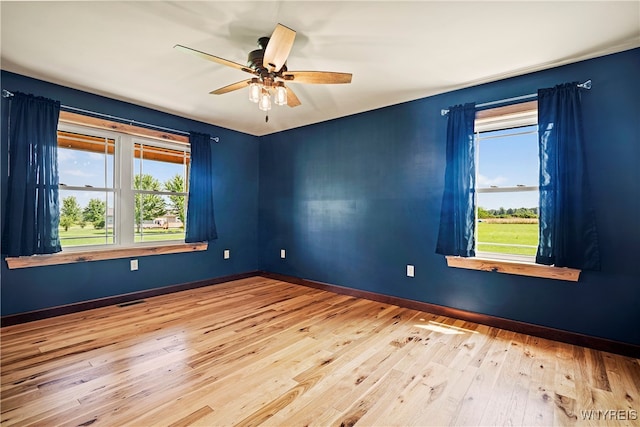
[(397, 51)]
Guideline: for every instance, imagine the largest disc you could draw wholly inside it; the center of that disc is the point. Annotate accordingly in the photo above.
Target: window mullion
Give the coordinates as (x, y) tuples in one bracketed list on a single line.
[(125, 200), (517, 189)]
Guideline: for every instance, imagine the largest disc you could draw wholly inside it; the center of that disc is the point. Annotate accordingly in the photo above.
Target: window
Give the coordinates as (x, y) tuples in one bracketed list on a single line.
[(118, 190), (507, 169), (492, 148)]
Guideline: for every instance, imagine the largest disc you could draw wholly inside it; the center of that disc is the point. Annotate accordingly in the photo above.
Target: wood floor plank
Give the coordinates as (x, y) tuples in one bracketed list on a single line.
[(474, 403), (380, 411), (193, 417), (623, 387), (540, 405), (258, 351), (511, 388)]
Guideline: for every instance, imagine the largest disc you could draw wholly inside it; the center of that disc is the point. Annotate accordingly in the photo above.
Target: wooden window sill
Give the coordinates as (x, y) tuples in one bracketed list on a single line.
[(102, 254), (513, 267)]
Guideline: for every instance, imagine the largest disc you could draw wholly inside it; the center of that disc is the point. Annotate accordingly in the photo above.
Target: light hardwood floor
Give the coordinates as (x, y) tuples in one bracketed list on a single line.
[(260, 351)]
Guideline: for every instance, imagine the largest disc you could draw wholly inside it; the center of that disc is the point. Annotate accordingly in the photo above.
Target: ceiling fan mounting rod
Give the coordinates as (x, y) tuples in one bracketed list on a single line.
[(262, 42)]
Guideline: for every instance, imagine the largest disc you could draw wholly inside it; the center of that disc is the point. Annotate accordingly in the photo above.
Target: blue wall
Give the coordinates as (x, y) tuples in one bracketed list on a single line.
[(236, 206), (354, 200)]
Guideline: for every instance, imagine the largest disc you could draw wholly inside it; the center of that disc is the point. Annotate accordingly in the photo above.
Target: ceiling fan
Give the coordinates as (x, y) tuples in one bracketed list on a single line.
[(268, 66)]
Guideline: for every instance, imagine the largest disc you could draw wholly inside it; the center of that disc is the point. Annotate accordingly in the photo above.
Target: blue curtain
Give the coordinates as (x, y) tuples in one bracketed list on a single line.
[(201, 223), (568, 236), (32, 212), (457, 216)]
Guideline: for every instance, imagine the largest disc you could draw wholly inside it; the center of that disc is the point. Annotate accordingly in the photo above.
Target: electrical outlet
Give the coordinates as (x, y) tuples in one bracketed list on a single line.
[(410, 270), (134, 264), (227, 254), (283, 253)]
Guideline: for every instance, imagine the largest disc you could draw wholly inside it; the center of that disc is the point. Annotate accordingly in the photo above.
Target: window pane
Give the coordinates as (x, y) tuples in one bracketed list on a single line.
[(508, 158), (160, 217), (508, 221), (86, 218), (160, 169), (85, 161), (517, 238), (508, 200)]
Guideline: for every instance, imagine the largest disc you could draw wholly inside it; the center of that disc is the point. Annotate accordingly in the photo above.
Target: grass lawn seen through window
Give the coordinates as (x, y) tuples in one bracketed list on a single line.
[(508, 233), (77, 236)]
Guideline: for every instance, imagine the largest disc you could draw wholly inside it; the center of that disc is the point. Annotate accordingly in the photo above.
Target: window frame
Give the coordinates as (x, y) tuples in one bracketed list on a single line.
[(123, 188), (83, 254)]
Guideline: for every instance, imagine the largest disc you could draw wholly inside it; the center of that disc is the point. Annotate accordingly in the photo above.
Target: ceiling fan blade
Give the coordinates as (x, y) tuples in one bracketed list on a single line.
[(292, 99), (278, 48), (214, 58), (316, 77), (231, 87)]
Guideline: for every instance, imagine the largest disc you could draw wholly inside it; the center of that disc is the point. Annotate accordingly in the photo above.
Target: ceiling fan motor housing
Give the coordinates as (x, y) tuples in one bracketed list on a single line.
[(255, 58)]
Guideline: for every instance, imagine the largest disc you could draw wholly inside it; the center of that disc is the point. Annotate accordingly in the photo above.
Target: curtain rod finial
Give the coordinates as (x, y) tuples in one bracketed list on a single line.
[(585, 85)]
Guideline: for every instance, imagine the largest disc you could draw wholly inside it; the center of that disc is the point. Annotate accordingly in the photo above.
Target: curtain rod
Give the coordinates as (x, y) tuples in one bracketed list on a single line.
[(216, 139), (585, 85)]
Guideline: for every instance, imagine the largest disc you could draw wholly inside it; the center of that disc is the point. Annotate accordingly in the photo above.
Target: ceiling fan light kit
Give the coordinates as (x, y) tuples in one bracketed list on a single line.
[(281, 94), (265, 100), (260, 93), (254, 90), (268, 65)]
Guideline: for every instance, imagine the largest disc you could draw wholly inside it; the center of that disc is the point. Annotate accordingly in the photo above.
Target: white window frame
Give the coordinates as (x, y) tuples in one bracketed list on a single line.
[(124, 193)]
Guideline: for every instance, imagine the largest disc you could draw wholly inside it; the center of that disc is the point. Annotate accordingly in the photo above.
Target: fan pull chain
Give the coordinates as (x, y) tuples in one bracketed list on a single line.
[(266, 118)]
